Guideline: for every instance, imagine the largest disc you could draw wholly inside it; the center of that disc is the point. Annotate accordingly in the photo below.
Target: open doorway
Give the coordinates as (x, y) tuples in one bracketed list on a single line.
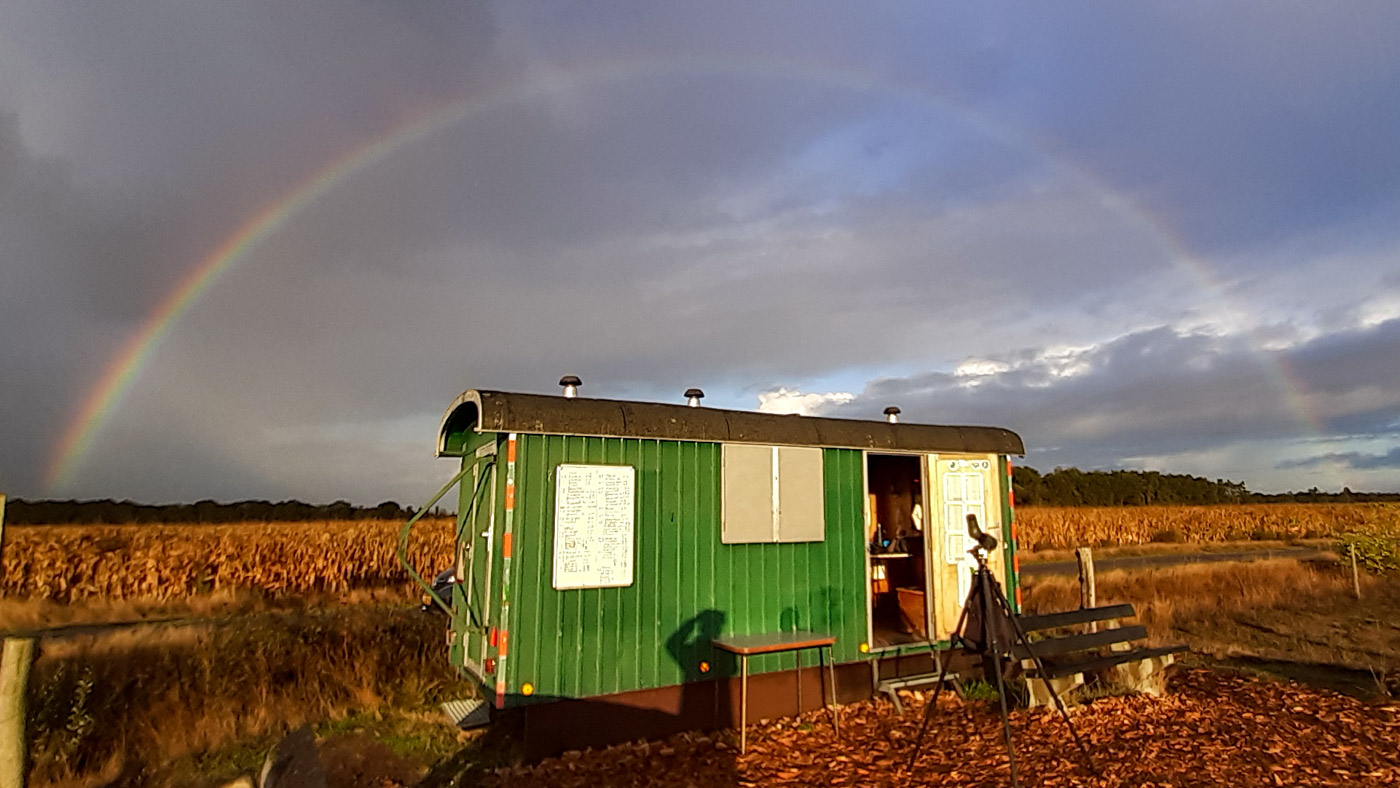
[(895, 548)]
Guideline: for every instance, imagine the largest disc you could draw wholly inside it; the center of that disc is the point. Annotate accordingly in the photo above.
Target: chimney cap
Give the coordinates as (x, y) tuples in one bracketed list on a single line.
[(892, 411), (697, 393), (570, 380)]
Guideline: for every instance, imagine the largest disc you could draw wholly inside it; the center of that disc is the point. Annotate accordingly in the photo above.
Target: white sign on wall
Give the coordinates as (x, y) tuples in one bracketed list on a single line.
[(594, 535)]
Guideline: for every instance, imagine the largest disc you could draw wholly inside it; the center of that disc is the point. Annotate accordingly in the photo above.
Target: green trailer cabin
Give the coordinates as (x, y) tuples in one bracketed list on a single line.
[(602, 545)]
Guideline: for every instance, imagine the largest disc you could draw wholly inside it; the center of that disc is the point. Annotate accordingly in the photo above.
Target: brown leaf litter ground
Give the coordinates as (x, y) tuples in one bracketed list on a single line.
[(1213, 728)]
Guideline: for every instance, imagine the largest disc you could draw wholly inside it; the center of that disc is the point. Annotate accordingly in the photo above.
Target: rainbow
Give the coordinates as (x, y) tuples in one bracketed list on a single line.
[(123, 370), (119, 375), (110, 390)]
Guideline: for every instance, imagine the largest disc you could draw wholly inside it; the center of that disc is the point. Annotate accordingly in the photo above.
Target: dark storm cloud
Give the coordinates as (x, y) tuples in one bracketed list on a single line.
[(656, 196), (195, 117), (1351, 459), (134, 138), (56, 329), (1236, 122), (1260, 121), (1157, 392)]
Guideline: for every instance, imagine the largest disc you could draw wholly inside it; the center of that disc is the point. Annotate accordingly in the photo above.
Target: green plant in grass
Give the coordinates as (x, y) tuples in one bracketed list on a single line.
[(979, 690), (61, 718), (1375, 553)]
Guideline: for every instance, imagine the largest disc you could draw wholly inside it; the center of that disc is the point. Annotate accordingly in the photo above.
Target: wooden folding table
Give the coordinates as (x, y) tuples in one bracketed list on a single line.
[(746, 646)]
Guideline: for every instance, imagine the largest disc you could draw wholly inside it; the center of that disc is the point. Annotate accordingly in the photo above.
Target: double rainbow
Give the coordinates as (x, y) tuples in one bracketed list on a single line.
[(111, 389)]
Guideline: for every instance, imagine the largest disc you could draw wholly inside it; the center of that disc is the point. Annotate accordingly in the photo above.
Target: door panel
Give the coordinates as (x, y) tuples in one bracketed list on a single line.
[(963, 484)]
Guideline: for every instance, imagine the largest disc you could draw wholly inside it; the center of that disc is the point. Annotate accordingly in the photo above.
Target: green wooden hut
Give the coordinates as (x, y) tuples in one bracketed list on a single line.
[(602, 546)]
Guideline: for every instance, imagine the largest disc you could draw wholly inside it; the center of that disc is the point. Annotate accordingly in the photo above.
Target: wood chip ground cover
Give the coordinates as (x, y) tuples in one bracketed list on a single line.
[(1213, 728)]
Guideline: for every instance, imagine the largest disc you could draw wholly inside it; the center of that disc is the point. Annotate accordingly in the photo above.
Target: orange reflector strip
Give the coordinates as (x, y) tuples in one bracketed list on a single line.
[(505, 545), (1011, 487), (510, 450), (501, 649), (510, 496)]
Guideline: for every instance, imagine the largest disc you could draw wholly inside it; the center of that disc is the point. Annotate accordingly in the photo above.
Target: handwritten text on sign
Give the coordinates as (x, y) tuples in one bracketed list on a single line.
[(593, 526)]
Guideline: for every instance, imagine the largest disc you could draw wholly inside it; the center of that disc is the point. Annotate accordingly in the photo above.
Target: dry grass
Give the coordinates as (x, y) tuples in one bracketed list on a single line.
[(1167, 599), (25, 615), (1287, 611), (1041, 527), (159, 562), (126, 703), (1167, 549)]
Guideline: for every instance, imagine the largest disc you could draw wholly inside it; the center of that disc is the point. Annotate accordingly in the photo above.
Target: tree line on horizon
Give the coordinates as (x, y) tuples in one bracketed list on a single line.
[(1073, 487), (110, 512), (1060, 487)]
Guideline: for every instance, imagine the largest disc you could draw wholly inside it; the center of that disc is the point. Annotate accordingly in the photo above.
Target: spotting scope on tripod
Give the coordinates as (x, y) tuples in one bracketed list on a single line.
[(986, 626)]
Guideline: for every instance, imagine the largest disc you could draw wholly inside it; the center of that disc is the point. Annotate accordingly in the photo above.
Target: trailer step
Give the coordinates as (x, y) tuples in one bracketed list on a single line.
[(892, 687), (467, 714)]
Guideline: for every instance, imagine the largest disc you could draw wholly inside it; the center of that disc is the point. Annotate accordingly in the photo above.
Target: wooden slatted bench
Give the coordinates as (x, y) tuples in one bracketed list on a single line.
[(1105, 652)]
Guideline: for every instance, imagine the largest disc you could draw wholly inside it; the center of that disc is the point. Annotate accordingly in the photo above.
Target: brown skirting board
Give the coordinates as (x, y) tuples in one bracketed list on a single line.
[(553, 726)]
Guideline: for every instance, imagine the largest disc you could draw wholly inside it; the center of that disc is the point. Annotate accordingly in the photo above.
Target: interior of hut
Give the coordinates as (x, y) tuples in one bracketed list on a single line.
[(898, 561)]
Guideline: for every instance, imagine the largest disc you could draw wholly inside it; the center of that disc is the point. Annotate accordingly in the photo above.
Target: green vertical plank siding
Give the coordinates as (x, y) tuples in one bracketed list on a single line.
[(582, 643), (1008, 516)]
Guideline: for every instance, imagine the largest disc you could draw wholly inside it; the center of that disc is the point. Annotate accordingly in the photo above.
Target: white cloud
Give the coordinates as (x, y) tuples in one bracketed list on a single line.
[(972, 371), (783, 400)]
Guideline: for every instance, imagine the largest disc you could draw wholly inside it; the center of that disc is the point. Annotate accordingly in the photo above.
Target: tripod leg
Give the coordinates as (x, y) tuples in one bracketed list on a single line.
[(937, 688), (995, 648), (1005, 718), (1040, 667)]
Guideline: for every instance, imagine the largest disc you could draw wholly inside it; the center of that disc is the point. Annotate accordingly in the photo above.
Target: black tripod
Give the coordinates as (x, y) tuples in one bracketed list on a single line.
[(986, 626)]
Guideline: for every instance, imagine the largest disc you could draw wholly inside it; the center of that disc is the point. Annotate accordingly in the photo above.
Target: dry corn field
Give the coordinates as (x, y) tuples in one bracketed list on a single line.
[(1049, 527), (74, 563)]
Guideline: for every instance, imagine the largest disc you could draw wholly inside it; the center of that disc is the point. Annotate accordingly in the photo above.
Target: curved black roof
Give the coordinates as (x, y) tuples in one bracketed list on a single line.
[(503, 411)]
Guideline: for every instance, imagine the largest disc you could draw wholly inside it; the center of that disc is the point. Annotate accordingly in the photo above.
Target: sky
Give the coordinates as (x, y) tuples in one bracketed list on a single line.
[(253, 250)]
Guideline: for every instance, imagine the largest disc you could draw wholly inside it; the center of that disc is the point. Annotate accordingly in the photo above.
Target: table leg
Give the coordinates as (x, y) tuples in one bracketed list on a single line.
[(743, 702), (831, 671), (798, 652)]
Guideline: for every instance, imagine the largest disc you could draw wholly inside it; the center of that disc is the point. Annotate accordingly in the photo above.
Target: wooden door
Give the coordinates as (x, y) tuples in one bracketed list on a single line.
[(962, 485)]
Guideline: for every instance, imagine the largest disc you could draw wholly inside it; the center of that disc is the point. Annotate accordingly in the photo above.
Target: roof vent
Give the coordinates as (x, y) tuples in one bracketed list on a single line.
[(570, 384), (692, 397), (892, 414)]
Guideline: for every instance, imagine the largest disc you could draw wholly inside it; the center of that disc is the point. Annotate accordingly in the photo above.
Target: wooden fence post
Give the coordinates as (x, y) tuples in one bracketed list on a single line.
[(1087, 596), (1355, 575), (17, 656)]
